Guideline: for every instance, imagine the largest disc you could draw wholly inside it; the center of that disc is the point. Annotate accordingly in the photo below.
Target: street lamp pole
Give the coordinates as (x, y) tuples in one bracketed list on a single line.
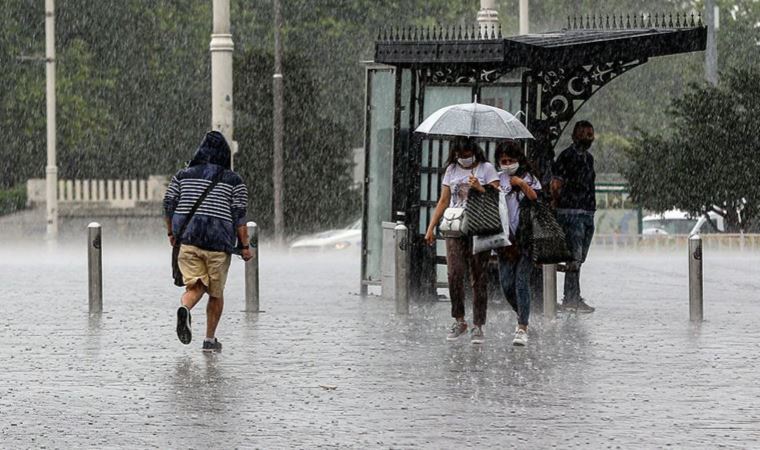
[(278, 131), (524, 17), (488, 17), (711, 51), (51, 170), (221, 48)]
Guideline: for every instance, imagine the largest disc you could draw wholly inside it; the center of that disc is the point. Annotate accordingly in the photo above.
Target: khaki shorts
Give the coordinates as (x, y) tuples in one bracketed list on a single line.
[(207, 266)]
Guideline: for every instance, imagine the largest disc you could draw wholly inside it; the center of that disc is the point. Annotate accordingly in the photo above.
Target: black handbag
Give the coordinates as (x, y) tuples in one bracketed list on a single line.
[(541, 234), (481, 214), (176, 272)]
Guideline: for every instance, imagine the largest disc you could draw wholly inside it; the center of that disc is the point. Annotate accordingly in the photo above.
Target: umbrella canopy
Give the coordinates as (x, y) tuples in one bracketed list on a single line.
[(474, 120)]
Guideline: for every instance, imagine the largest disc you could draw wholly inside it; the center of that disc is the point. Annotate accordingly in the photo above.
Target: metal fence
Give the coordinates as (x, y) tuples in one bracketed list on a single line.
[(718, 241)]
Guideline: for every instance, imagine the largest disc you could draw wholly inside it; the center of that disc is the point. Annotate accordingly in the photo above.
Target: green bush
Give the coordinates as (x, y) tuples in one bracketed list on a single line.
[(12, 199)]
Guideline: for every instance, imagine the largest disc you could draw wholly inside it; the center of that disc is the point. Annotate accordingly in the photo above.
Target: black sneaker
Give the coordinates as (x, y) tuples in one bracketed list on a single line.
[(183, 325), (584, 308), (215, 346), (568, 306)]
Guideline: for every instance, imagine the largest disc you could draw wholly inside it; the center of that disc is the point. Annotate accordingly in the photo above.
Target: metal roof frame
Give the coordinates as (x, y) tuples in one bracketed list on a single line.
[(594, 41)]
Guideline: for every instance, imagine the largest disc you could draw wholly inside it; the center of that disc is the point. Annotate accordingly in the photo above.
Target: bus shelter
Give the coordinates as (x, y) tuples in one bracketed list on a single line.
[(546, 76)]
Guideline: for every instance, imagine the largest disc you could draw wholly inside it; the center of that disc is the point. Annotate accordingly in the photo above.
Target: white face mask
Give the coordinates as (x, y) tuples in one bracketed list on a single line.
[(466, 162), (511, 169)]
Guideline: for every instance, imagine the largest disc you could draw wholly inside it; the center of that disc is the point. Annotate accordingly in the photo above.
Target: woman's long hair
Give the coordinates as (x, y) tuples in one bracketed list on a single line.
[(513, 150), (465, 144)]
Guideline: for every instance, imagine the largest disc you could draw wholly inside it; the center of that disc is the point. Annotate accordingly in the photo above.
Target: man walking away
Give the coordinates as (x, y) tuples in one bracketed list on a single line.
[(573, 190), (208, 239)]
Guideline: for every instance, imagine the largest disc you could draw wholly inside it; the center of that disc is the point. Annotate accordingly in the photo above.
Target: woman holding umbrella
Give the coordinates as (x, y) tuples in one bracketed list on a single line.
[(466, 169)]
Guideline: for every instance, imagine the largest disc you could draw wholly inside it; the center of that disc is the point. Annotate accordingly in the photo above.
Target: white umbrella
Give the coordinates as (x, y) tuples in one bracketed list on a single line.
[(474, 120)]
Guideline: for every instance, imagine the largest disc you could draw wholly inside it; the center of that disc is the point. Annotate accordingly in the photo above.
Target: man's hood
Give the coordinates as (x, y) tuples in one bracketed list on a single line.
[(214, 149)]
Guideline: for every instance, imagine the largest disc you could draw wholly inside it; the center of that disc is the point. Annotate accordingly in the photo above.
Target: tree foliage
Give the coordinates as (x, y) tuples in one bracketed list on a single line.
[(134, 85), (709, 158), (317, 172), (640, 98)]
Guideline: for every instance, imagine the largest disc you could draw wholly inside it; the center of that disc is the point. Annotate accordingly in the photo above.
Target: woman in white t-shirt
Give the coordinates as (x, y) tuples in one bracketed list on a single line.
[(515, 263), (466, 169)]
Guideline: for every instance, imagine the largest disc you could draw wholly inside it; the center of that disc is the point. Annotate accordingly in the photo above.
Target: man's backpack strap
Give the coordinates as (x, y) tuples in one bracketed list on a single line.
[(197, 204)]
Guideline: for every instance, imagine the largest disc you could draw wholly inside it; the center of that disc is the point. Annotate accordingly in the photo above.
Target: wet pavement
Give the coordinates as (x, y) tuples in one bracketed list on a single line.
[(323, 367)]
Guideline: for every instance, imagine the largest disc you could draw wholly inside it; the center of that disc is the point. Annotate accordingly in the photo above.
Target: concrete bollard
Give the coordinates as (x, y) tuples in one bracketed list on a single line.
[(95, 267), (402, 272), (550, 290), (388, 260), (695, 278), (252, 270)]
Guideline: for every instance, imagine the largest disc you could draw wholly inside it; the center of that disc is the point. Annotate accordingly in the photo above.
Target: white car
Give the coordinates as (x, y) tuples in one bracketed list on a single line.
[(340, 239), (679, 222)]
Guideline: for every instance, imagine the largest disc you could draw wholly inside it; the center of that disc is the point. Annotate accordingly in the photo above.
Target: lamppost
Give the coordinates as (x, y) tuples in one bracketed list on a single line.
[(51, 170), (488, 17), (278, 131), (221, 48), (711, 50), (524, 15)]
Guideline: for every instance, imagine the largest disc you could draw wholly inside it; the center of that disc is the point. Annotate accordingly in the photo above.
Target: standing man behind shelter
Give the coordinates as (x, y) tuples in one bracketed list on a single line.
[(209, 237), (574, 195)]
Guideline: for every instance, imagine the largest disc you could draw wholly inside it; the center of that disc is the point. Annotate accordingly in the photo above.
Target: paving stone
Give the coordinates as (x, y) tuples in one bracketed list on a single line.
[(324, 367)]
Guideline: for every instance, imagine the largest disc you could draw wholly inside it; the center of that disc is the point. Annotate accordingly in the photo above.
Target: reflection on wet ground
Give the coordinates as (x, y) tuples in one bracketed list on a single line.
[(325, 367)]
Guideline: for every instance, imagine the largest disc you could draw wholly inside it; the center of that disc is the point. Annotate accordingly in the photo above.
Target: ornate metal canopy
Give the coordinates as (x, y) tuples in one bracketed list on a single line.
[(562, 69), (596, 40), (558, 72)]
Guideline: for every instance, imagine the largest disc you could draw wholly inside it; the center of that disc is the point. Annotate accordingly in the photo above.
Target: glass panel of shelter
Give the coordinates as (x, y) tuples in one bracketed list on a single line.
[(506, 97), (435, 152), (380, 138)]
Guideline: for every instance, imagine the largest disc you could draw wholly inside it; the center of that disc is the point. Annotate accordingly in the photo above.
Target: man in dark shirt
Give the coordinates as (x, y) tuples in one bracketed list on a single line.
[(573, 189)]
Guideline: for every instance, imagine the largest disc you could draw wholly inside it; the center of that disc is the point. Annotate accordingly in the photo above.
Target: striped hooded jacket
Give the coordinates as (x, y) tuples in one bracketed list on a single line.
[(213, 225)]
